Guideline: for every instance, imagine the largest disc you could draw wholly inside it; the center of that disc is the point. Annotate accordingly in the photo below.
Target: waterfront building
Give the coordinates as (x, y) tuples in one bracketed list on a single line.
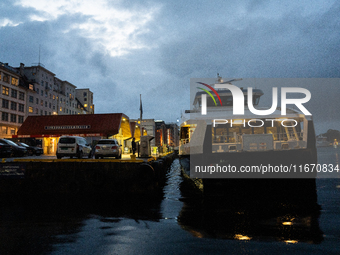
[(49, 128), (36, 91), (160, 138), (13, 101), (172, 135), (149, 128)]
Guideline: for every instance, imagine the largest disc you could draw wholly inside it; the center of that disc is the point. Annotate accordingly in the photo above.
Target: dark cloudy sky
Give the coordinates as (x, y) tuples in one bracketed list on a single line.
[(120, 49)]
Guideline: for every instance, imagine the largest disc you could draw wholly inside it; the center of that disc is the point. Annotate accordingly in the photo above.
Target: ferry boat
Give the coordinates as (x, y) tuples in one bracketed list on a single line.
[(216, 146)]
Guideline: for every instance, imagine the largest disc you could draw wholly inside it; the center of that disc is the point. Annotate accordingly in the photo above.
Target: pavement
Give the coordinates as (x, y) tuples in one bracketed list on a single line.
[(50, 157)]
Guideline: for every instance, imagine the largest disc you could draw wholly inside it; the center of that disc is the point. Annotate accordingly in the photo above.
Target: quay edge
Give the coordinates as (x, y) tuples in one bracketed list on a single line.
[(83, 177)]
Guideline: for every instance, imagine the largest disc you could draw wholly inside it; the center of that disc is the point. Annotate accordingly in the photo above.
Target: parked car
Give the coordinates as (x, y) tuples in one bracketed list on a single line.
[(108, 148), (16, 149), (73, 146), (5, 150), (32, 150)]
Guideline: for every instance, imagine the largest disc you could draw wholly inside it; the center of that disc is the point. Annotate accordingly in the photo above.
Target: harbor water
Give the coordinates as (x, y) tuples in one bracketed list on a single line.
[(174, 222)]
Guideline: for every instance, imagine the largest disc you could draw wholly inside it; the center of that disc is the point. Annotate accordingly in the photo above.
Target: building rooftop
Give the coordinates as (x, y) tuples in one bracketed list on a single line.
[(56, 125)]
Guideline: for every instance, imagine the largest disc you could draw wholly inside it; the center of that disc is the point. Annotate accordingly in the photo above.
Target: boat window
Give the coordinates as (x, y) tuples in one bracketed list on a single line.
[(246, 130), (184, 132), (256, 100), (233, 134), (187, 131), (226, 134), (259, 130), (227, 101), (219, 134)]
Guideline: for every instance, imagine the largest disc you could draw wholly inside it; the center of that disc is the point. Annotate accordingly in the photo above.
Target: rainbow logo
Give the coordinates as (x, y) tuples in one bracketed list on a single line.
[(212, 89)]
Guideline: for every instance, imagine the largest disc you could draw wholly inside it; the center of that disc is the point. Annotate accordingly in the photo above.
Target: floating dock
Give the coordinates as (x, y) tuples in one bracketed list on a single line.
[(40, 177)]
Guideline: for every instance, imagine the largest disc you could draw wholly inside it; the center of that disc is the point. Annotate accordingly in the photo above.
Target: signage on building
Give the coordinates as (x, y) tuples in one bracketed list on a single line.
[(67, 127)]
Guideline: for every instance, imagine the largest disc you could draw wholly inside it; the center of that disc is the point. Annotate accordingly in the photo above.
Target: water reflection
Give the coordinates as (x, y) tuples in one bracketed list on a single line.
[(250, 220), (41, 227)]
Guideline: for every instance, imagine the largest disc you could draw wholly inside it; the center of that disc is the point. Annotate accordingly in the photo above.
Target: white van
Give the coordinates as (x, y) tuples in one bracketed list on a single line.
[(73, 146)]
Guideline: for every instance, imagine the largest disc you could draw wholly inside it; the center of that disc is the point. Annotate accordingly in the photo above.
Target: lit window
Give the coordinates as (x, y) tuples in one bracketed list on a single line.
[(5, 90), (15, 81), (30, 109), (85, 105)]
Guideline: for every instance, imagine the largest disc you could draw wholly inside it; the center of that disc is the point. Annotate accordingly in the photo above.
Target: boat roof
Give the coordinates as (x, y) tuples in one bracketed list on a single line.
[(226, 92)]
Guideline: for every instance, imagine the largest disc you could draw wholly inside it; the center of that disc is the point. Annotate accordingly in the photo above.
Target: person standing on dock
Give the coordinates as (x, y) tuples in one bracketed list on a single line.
[(133, 146)]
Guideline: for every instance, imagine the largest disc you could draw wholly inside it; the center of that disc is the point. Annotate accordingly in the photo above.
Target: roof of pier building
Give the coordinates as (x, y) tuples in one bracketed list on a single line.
[(83, 124)]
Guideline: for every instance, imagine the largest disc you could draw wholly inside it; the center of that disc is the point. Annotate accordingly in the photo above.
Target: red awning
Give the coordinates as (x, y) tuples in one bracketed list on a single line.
[(81, 124)]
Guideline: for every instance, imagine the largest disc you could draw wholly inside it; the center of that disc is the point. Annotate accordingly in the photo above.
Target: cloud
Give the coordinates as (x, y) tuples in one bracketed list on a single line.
[(287, 44), (115, 29), (120, 49)]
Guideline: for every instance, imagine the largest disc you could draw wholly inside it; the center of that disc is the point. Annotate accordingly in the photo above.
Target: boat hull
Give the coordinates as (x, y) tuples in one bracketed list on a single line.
[(295, 187)]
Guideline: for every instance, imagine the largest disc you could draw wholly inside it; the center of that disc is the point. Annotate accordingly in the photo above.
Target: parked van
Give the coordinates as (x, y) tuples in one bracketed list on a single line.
[(73, 146)]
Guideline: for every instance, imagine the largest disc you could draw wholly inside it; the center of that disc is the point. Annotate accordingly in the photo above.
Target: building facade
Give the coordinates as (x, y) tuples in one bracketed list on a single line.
[(160, 138), (13, 101), (36, 91), (172, 135), (149, 128), (85, 100), (47, 94)]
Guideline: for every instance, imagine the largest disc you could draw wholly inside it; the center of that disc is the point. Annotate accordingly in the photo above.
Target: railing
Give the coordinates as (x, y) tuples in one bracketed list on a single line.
[(184, 141)]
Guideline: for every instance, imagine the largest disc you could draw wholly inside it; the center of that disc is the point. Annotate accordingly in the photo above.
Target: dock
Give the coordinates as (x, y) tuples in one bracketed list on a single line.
[(83, 177)]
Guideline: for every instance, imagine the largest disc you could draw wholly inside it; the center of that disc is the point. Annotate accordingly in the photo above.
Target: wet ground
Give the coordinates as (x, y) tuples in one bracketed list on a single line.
[(176, 222)]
